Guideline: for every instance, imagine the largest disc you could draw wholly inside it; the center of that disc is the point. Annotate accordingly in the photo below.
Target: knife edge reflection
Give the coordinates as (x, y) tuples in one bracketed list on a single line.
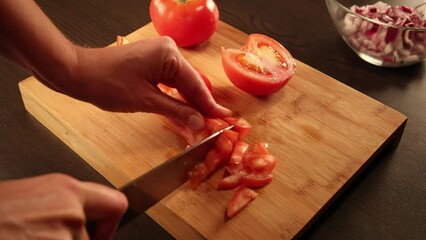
[(151, 187)]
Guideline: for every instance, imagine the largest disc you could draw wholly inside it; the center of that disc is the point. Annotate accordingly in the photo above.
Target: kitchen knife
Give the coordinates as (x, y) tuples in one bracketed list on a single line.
[(148, 189)]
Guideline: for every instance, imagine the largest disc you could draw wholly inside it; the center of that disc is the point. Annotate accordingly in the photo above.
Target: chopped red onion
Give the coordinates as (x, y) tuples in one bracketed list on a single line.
[(392, 45)]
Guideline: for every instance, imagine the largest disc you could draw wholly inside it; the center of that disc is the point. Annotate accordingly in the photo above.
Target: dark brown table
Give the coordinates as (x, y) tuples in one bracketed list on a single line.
[(386, 202)]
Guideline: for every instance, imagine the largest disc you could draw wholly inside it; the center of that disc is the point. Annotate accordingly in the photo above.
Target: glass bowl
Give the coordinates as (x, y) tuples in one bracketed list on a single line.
[(376, 42)]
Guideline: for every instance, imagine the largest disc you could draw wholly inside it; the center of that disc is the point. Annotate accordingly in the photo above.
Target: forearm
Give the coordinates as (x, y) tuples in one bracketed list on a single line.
[(31, 40)]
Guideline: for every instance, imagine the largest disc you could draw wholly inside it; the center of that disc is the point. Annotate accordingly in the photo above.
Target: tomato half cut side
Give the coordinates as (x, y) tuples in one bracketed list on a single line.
[(261, 67)]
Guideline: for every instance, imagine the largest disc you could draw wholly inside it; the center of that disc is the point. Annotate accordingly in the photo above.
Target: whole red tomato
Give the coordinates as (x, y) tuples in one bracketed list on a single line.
[(188, 22)]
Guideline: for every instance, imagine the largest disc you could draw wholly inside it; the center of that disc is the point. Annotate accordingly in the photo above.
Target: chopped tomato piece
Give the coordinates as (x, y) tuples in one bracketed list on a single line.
[(212, 160), (231, 181), (259, 163), (256, 180), (260, 148), (197, 175), (192, 136), (235, 162), (172, 92), (240, 199), (240, 125), (213, 125), (224, 147), (233, 136)]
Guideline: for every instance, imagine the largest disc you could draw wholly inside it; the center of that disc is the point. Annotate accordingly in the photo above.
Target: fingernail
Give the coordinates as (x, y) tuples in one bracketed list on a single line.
[(195, 122)]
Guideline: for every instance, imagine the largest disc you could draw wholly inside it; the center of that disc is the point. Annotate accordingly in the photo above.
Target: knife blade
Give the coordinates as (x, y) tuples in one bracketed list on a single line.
[(152, 186)]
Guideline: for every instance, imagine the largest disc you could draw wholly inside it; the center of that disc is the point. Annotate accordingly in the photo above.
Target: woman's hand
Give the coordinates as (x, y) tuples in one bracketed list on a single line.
[(56, 206), (125, 79)]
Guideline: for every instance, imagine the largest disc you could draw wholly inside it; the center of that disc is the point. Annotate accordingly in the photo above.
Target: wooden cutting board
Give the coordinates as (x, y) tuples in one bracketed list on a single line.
[(322, 131)]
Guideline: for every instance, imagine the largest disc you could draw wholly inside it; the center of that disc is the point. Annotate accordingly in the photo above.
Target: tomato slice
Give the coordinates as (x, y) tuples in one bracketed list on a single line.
[(261, 67), (242, 196)]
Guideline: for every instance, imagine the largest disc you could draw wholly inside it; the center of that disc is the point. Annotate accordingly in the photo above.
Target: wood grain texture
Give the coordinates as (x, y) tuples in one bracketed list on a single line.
[(322, 131)]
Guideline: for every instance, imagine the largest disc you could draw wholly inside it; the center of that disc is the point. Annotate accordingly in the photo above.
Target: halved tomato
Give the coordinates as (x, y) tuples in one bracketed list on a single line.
[(261, 67)]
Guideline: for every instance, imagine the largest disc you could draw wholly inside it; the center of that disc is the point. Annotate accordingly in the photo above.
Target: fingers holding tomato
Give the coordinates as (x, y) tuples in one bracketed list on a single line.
[(188, 22), (261, 67)]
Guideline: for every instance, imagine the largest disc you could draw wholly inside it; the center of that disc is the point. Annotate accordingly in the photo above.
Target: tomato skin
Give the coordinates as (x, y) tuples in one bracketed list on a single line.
[(260, 73), (188, 23)]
